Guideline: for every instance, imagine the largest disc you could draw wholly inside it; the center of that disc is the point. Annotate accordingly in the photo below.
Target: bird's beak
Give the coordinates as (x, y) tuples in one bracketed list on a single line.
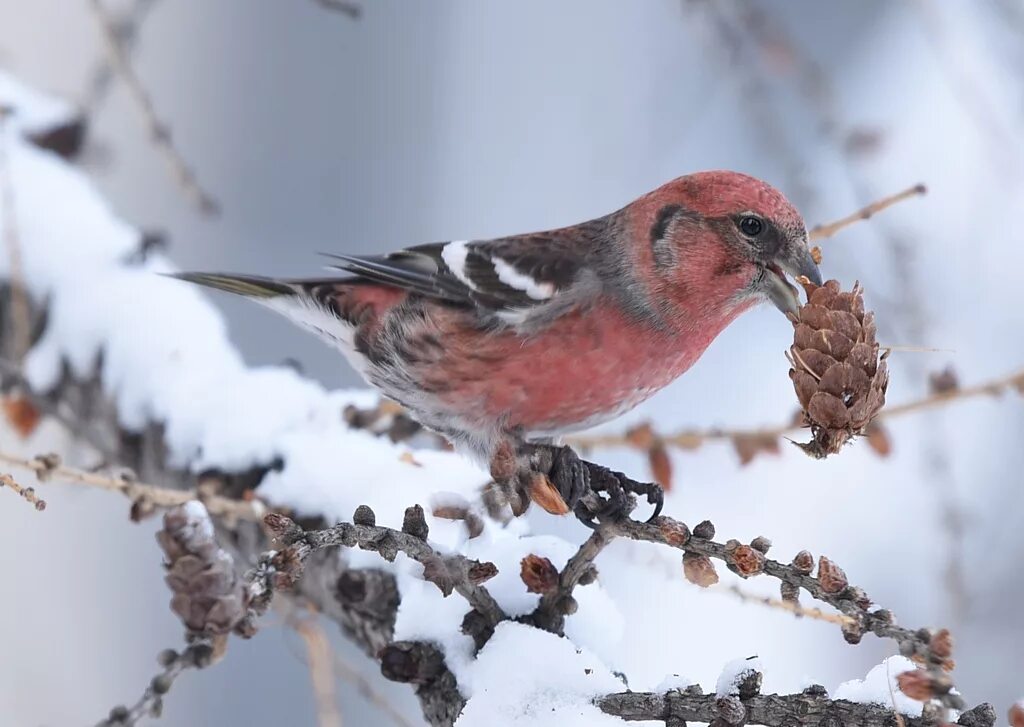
[(796, 261)]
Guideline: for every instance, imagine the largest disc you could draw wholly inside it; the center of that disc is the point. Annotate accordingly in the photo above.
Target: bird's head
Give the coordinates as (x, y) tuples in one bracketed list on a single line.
[(726, 238)]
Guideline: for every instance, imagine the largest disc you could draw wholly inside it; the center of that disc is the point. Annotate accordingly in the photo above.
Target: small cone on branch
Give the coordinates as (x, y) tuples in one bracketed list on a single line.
[(208, 594), (837, 372)]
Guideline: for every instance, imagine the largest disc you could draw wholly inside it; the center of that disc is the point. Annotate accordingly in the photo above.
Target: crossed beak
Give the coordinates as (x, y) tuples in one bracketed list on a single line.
[(795, 261)]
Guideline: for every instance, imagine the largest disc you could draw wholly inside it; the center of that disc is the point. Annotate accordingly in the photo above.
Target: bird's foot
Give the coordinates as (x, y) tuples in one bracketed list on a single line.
[(620, 495), (594, 493)]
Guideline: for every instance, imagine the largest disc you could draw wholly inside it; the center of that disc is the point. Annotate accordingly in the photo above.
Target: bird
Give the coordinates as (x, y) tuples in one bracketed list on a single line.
[(505, 345)]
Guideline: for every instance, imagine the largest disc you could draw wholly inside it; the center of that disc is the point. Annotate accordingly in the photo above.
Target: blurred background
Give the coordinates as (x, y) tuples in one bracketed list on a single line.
[(318, 131)]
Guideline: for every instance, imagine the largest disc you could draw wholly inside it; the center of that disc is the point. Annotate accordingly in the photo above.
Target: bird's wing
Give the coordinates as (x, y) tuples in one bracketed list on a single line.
[(512, 280)]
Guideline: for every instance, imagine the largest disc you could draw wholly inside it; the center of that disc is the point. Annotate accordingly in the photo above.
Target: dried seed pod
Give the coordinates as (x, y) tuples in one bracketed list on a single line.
[(675, 533), (748, 446), (1016, 715), (539, 574), (545, 494), (745, 561), (23, 415), (916, 684), (803, 563), (941, 644), (837, 372), (699, 569), (831, 576), (661, 465)]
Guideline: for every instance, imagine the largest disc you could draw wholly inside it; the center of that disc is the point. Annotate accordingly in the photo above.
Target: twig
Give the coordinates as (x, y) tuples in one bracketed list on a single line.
[(450, 573), (49, 466), (815, 614), (351, 9), (821, 232), (321, 670), (693, 438), (127, 29), (159, 132), (20, 312), (27, 493), (198, 655), (350, 674)]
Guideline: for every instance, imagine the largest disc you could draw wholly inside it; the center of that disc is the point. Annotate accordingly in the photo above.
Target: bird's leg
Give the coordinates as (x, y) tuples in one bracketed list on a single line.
[(559, 481), (593, 492)]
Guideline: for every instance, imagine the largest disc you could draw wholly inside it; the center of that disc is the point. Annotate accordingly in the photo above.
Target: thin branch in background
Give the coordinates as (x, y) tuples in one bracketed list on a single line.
[(198, 655), (692, 438), (821, 232), (49, 466), (815, 614), (20, 318), (349, 673), (28, 493), (127, 28), (159, 132), (321, 669), (351, 9)]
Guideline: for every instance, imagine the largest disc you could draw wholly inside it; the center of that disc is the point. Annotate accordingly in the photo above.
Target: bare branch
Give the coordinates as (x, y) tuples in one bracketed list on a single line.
[(693, 438), (321, 669), (28, 493), (821, 232), (48, 466), (159, 132), (198, 655)]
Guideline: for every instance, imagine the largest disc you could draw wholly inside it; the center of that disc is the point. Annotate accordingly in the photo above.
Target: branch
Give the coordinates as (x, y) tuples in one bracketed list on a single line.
[(811, 707), (146, 497), (159, 132), (689, 439), (448, 572), (822, 232), (28, 493), (198, 655)]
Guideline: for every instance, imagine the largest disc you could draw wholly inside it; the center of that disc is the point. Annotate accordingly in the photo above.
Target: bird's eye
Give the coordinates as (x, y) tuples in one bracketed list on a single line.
[(751, 226)]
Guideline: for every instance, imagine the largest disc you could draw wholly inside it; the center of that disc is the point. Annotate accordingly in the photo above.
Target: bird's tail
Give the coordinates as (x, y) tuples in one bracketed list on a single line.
[(250, 286)]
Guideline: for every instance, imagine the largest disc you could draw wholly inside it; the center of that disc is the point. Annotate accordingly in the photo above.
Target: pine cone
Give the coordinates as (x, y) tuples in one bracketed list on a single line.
[(836, 371), (208, 595)]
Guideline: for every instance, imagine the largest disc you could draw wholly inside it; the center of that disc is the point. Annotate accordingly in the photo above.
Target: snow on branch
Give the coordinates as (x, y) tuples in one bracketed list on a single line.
[(294, 499)]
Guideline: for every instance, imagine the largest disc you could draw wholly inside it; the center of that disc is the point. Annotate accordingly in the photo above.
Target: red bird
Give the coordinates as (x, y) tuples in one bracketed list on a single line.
[(504, 344)]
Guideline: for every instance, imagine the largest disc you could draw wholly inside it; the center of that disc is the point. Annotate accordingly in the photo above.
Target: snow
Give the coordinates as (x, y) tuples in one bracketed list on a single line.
[(198, 520), (673, 682), (735, 672), (32, 110), (880, 687), (524, 676)]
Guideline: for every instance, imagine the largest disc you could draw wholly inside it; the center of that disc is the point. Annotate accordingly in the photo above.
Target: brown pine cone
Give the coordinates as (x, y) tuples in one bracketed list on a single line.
[(208, 595), (836, 371)]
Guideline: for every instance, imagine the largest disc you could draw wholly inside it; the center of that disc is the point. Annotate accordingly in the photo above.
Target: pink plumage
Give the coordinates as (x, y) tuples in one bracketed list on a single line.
[(498, 343)]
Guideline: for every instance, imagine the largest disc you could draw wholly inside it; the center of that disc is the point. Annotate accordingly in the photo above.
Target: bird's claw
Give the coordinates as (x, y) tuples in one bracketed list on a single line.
[(569, 474), (613, 497), (619, 501)]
